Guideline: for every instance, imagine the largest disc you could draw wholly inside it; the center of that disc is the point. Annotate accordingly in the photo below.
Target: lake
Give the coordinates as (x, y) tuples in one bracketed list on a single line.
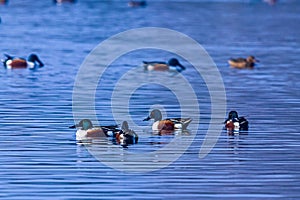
[(40, 158)]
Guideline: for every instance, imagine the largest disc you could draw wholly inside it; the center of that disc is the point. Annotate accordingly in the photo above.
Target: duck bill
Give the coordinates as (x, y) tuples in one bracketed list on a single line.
[(147, 119), (181, 66), (74, 126), (41, 64)]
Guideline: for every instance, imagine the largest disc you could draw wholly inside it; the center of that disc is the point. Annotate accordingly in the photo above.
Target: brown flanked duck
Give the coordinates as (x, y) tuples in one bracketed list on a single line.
[(243, 63), (167, 126), (32, 62), (172, 65), (86, 130)]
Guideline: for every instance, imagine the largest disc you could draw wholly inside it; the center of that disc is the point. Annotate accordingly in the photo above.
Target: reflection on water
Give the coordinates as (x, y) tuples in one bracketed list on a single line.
[(157, 150)]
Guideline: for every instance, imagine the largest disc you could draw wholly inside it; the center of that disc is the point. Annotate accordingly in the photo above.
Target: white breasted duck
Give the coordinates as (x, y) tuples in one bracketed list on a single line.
[(165, 126), (236, 123), (32, 62), (86, 130), (126, 136), (172, 65)]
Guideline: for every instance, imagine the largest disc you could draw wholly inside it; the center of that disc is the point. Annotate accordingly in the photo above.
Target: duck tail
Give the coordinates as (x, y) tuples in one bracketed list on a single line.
[(244, 124), (8, 56), (185, 123), (145, 65)]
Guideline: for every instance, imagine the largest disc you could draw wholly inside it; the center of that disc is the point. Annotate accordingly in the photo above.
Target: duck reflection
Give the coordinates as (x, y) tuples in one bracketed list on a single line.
[(164, 137), (232, 132)]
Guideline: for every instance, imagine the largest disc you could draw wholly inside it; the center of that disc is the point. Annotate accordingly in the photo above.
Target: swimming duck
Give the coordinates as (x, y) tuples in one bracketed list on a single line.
[(234, 122), (126, 136), (242, 63), (87, 130), (167, 125), (32, 62), (137, 3), (172, 65)]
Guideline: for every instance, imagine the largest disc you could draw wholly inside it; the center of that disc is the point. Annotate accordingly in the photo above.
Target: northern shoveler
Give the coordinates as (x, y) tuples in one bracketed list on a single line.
[(88, 131), (172, 65), (126, 136), (235, 123), (242, 63), (137, 3), (167, 125), (32, 62)]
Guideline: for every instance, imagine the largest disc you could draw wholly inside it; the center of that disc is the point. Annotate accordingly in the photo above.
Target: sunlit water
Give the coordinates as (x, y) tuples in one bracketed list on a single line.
[(39, 157)]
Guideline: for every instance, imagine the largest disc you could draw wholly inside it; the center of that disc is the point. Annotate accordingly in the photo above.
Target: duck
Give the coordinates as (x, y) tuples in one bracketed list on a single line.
[(172, 65), (137, 3), (165, 126), (236, 123), (126, 136), (86, 130), (32, 62), (243, 63)]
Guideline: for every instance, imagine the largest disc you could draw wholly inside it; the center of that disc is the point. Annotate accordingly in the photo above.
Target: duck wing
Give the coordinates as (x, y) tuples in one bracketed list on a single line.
[(153, 62), (8, 57), (178, 120), (184, 122), (238, 59), (111, 128), (243, 123)]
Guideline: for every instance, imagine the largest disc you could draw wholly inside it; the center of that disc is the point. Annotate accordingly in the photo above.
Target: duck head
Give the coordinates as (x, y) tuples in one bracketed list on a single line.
[(35, 59), (155, 114), (84, 124), (233, 115), (174, 62), (251, 59), (125, 126)]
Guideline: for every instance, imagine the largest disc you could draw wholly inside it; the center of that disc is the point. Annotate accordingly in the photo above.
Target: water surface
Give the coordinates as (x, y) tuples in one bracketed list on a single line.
[(39, 156)]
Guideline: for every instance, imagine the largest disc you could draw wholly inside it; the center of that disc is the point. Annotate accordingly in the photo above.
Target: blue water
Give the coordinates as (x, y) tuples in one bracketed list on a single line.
[(39, 157)]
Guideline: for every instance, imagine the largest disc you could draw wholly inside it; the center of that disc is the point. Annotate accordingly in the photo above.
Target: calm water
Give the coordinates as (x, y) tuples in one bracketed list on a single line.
[(39, 157)]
